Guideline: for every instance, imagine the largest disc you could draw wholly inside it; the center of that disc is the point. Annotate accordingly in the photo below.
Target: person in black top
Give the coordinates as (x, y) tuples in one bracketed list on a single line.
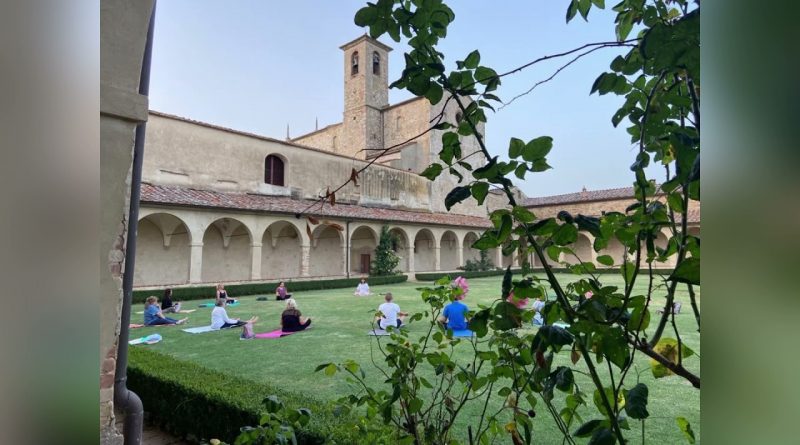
[(222, 294), (167, 305), (291, 319)]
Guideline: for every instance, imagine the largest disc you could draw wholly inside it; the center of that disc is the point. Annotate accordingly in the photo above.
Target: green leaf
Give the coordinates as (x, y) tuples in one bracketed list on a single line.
[(414, 405), (366, 16), (605, 260), (479, 323), (488, 171), (599, 3), (330, 369), (588, 428), (537, 148), (554, 336), (479, 191), (564, 379), (636, 402), (432, 171), (583, 8), (572, 10), (688, 271), (627, 269), (522, 214), (602, 437), (506, 316), (272, 404), (565, 235), (455, 196), (484, 75), (589, 224), (668, 348), (434, 93), (520, 171), (472, 60), (515, 148), (686, 428)]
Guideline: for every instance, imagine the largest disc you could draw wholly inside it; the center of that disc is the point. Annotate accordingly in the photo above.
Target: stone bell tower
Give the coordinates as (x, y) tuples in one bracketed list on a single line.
[(366, 94)]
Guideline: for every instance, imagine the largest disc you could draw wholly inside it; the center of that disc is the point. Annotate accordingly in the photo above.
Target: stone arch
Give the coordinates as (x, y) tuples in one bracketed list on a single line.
[(363, 242), (226, 251), (468, 252), (449, 245), (616, 250), (424, 251), (162, 250), (281, 251), (402, 249), (326, 252), (583, 249)]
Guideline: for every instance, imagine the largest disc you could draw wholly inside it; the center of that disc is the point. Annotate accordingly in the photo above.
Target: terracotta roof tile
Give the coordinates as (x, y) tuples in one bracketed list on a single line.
[(183, 196), (588, 195)]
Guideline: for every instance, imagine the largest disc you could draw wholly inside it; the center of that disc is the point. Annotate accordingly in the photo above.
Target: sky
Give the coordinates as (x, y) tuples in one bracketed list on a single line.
[(258, 66)]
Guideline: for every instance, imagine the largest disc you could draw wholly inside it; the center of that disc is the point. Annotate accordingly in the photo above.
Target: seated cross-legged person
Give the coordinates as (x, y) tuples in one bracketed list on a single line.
[(391, 315), (281, 292), (167, 305), (362, 290), (454, 315), (291, 318), (153, 315), (220, 319)]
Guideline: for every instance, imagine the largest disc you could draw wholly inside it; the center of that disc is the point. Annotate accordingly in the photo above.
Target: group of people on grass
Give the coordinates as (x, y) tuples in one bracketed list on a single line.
[(453, 316)]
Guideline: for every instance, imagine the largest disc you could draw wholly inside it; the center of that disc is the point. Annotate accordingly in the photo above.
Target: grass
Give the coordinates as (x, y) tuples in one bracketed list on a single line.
[(340, 323)]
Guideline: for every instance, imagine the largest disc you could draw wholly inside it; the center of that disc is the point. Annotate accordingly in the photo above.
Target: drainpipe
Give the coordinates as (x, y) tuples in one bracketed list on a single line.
[(126, 400), (347, 243)]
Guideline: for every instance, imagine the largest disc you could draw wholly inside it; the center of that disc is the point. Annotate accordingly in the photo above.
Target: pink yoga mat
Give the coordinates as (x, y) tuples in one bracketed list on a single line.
[(273, 334)]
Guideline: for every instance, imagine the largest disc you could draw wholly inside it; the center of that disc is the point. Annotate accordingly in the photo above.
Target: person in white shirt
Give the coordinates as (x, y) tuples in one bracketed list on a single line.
[(220, 319), (362, 290), (390, 313)]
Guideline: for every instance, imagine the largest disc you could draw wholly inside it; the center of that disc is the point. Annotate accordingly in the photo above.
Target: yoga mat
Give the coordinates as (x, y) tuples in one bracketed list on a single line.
[(377, 332), (150, 339), (212, 304), (277, 333), (463, 333), (199, 329)]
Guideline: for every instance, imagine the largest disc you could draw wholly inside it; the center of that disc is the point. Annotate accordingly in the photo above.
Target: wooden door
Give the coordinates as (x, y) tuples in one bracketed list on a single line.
[(365, 263)]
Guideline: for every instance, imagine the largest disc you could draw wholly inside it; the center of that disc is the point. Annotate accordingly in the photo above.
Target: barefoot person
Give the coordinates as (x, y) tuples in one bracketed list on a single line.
[(167, 305), (220, 319), (390, 313), (362, 290), (291, 318), (153, 315)]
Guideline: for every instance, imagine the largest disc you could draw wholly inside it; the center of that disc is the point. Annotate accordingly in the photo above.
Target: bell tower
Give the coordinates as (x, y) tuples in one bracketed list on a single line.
[(366, 94)]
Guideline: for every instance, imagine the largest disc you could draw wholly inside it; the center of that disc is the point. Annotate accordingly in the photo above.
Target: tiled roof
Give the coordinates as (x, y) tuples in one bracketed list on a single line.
[(584, 196), (183, 196), (693, 216)]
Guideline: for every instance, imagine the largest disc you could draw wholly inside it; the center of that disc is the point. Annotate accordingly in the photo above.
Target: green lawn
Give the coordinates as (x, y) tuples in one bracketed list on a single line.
[(340, 323)]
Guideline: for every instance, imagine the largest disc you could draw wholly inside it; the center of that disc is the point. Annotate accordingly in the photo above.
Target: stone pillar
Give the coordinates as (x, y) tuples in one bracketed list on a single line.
[(196, 263), (345, 263), (437, 258), (255, 261), (498, 260), (305, 261), (515, 260), (411, 259), (460, 256)]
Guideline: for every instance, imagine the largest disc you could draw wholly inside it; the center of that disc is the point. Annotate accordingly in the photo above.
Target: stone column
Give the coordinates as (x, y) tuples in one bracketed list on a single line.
[(196, 263), (305, 261), (460, 256), (255, 262), (437, 258), (515, 260), (498, 260), (411, 259), (345, 264)]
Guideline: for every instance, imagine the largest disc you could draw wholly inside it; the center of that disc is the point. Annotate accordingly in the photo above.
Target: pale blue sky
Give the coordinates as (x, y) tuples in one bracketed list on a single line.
[(258, 65)]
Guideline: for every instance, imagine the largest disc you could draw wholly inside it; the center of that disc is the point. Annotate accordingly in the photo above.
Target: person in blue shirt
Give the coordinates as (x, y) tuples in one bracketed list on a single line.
[(454, 315), (153, 315)]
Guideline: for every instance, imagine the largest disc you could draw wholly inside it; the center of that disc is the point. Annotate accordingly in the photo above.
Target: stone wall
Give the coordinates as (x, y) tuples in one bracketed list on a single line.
[(179, 152), (405, 120), (594, 208), (328, 139)]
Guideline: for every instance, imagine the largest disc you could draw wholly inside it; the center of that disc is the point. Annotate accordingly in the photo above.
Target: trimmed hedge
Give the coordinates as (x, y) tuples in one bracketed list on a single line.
[(538, 270), (187, 399), (209, 291)]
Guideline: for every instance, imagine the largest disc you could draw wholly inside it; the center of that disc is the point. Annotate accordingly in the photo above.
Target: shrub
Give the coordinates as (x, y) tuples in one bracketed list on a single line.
[(209, 291), (187, 399), (386, 260)]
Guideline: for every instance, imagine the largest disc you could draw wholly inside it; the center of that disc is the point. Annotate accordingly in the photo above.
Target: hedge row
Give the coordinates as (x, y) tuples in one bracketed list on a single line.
[(189, 400), (234, 290), (433, 276)]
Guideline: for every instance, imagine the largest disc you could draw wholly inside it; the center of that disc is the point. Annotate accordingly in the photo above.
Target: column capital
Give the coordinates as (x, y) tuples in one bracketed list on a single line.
[(196, 244), (256, 245)]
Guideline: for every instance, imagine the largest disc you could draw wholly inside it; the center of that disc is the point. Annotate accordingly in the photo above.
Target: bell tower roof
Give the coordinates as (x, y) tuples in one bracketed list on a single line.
[(367, 38)]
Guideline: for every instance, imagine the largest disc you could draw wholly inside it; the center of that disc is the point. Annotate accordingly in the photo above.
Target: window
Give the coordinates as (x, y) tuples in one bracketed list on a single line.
[(354, 64), (273, 170), (376, 63)]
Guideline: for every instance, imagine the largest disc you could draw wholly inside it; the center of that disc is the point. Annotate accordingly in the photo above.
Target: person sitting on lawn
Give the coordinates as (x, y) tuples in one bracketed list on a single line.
[(390, 313), (220, 319), (153, 315), (281, 293), (454, 315), (291, 318), (538, 305), (362, 290), (223, 294), (167, 305)]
